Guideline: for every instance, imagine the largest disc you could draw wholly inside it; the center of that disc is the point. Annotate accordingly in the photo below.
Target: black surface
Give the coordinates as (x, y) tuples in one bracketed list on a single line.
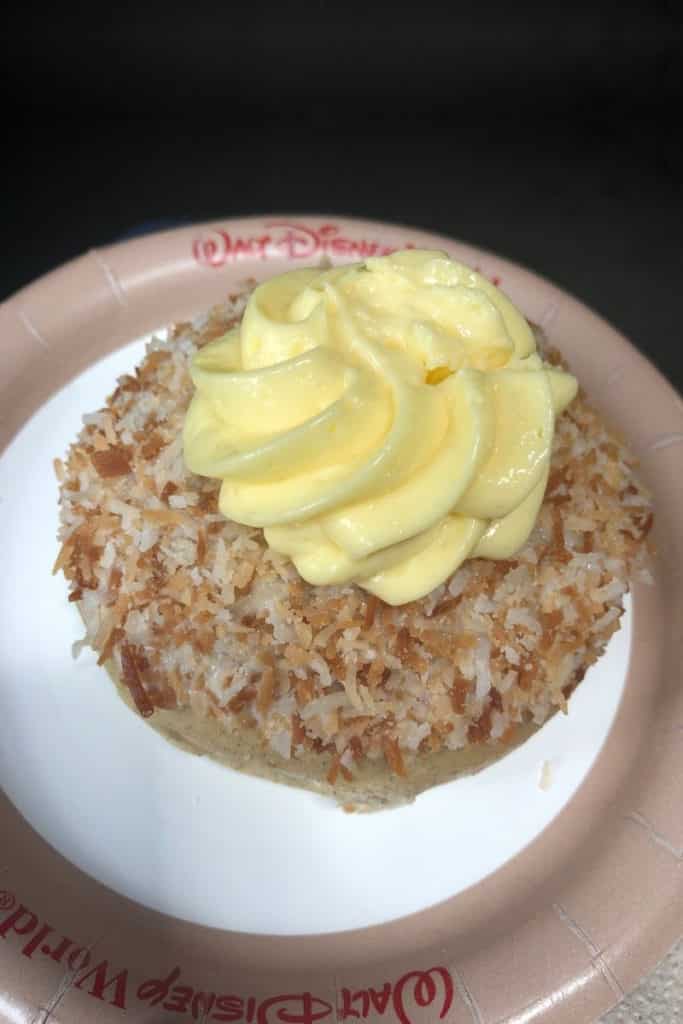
[(550, 138)]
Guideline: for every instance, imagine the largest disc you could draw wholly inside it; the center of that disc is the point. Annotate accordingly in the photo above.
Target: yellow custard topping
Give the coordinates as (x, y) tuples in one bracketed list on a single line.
[(382, 421)]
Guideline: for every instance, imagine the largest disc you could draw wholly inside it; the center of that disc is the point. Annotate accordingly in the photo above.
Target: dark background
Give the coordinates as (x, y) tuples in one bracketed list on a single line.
[(549, 136)]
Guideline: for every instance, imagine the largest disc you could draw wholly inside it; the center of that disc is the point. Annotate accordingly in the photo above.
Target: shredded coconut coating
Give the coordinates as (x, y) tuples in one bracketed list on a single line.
[(194, 611)]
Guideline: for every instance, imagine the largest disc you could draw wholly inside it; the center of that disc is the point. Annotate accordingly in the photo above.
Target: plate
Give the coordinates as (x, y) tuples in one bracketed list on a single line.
[(139, 883)]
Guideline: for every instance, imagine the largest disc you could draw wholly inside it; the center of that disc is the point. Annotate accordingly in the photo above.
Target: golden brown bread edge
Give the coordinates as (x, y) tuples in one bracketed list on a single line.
[(374, 785)]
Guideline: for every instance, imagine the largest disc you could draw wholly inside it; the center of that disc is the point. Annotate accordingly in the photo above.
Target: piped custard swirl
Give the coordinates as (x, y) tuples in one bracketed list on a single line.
[(381, 421)]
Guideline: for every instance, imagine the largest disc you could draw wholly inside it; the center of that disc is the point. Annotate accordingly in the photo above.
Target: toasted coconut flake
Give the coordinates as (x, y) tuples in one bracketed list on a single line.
[(370, 610), (168, 490), (393, 755), (333, 771), (480, 729), (305, 689), (131, 661), (459, 693), (266, 690), (298, 731), (296, 656), (64, 556), (151, 448), (166, 516), (201, 546), (444, 607), (112, 462)]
